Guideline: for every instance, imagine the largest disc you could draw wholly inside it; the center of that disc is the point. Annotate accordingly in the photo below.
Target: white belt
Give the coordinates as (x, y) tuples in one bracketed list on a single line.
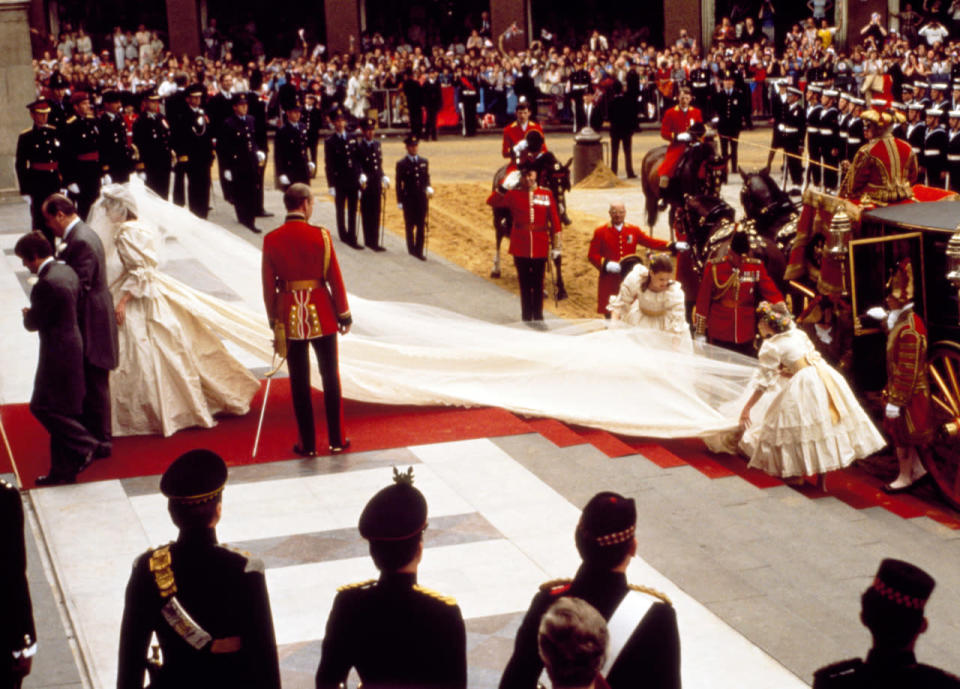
[(844, 135), (915, 149), (955, 157), (931, 152), (851, 140), (699, 84)]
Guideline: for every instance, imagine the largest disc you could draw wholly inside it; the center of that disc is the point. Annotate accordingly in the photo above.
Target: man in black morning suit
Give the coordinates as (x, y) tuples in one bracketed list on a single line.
[(372, 183), (341, 164), (59, 387), (83, 252), (606, 540), (16, 628), (413, 192)]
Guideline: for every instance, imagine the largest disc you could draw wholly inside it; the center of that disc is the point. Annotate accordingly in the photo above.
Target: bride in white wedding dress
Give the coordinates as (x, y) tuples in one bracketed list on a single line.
[(623, 380), (173, 371)]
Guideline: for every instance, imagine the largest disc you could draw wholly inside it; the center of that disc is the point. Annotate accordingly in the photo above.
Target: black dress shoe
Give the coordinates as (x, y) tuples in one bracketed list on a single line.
[(341, 448), (357, 245), (298, 449), (55, 480), (379, 248), (103, 450), (253, 228), (890, 490), (264, 214), (631, 176), (87, 461)]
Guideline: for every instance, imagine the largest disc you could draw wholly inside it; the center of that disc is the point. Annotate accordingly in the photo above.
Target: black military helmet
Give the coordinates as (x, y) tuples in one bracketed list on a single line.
[(900, 585), (395, 513), (607, 521), (195, 477)]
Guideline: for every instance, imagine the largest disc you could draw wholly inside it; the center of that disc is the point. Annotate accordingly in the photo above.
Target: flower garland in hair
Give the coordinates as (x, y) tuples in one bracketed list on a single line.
[(776, 315)]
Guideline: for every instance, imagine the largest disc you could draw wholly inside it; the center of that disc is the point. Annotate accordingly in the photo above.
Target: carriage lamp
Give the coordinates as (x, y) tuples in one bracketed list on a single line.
[(838, 237), (953, 260)]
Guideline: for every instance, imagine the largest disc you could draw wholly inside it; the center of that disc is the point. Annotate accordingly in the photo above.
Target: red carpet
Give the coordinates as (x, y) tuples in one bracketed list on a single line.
[(369, 426)]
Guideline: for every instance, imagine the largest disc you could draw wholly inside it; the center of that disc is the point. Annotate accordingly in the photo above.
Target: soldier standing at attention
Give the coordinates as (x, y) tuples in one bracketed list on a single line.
[(731, 115), (81, 154), (193, 142), (953, 150), (340, 158), (372, 183), (207, 603), (413, 194), (933, 156), (468, 90), (396, 633), (116, 156), (38, 164), (290, 150), (240, 159), (151, 136), (814, 111)]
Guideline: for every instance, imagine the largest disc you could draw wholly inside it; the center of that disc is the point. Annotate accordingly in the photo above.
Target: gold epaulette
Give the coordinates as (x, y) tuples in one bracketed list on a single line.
[(651, 592), (50, 126), (71, 119), (160, 562), (751, 259), (554, 583), (253, 564), (358, 585), (28, 129), (449, 600)]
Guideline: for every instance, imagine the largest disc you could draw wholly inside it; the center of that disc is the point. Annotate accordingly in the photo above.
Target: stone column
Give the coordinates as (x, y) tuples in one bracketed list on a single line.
[(343, 23), (681, 14), (16, 85), (183, 27), (503, 13)]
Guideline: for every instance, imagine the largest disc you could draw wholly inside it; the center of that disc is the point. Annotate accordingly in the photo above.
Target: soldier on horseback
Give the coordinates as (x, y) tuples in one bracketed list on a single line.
[(675, 129)]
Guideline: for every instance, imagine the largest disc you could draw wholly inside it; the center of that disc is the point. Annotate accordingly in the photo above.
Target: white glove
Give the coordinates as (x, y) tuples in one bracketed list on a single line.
[(312, 165), (701, 338), (385, 182), (363, 179), (332, 191), (877, 312), (892, 411), (28, 199), (261, 157), (512, 181), (227, 175), (400, 206), (142, 176), (556, 253), (429, 192), (680, 246), (73, 188), (612, 267), (106, 179), (284, 179), (685, 136), (520, 147)]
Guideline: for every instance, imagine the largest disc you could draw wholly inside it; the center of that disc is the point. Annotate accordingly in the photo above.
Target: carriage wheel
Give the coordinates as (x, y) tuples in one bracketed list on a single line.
[(943, 364)]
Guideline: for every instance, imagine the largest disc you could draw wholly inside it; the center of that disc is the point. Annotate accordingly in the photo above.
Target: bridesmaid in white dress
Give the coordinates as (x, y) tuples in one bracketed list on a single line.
[(651, 298), (174, 372), (812, 423)]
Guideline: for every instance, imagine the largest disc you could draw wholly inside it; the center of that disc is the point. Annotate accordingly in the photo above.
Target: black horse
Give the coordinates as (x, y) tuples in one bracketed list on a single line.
[(770, 207), (551, 175), (699, 171)]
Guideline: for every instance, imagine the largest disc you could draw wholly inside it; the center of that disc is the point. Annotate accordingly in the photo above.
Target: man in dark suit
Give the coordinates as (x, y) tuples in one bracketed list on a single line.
[(341, 165), (623, 121), (83, 252), (207, 603), (432, 102), (732, 115), (372, 184), (414, 94), (240, 158), (592, 111), (606, 540), (413, 192), (58, 389), (16, 629), (393, 631)]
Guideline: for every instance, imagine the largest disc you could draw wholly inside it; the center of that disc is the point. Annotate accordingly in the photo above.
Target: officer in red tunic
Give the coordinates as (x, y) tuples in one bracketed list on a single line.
[(907, 394), (307, 304), (730, 290), (674, 129), (515, 134), (535, 235), (613, 242)]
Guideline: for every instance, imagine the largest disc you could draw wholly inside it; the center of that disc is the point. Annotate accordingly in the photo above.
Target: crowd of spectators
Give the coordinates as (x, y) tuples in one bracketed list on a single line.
[(372, 73)]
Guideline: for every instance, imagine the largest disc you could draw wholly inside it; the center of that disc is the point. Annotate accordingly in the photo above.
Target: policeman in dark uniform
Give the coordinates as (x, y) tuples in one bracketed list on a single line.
[(395, 632), (16, 628), (116, 156), (413, 192), (312, 119), (257, 109), (38, 164), (81, 154), (240, 159), (953, 150), (207, 603), (151, 136), (468, 91), (290, 154), (892, 609), (342, 167), (814, 111), (830, 141), (700, 88), (372, 184), (731, 115), (933, 156), (606, 540), (193, 143)]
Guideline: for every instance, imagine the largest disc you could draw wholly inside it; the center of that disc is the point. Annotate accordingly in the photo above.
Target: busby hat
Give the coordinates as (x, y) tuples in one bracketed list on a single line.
[(395, 513), (195, 477)]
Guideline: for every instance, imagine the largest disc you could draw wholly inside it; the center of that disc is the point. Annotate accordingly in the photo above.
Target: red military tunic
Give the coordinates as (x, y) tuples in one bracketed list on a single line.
[(610, 245), (676, 121), (907, 385), (302, 283), (728, 299), (535, 220), (884, 169), (513, 134)]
